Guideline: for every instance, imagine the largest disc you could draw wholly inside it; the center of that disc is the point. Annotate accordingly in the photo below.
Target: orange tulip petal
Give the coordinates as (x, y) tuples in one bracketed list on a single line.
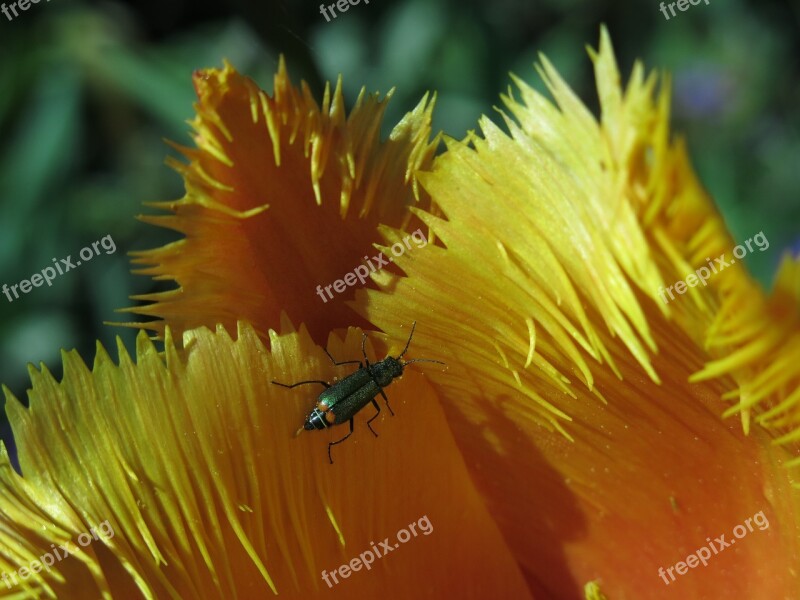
[(190, 457), (282, 195), (544, 302)]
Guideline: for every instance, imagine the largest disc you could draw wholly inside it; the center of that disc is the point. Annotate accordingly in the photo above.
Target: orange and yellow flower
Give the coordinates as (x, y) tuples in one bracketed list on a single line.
[(579, 439)]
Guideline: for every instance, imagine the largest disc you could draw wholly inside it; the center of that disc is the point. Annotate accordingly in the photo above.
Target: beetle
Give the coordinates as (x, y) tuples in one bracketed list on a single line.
[(342, 400)]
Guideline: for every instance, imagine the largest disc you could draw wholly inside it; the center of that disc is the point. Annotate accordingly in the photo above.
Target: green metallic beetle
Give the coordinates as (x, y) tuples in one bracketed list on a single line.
[(341, 401)]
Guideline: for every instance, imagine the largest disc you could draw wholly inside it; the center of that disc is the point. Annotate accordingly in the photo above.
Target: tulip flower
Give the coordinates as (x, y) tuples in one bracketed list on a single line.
[(595, 432)]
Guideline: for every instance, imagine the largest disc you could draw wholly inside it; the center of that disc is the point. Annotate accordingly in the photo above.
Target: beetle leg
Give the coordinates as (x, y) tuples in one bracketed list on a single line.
[(352, 362), (346, 362), (387, 402), (330, 458), (287, 385), (375, 416)]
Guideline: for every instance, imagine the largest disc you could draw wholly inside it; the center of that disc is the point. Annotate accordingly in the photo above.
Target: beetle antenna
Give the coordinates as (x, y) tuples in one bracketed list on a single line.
[(413, 325), (363, 345), (438, 362)]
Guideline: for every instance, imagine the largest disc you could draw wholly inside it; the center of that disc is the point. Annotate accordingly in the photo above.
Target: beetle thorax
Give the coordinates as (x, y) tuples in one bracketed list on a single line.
[(386, 370)]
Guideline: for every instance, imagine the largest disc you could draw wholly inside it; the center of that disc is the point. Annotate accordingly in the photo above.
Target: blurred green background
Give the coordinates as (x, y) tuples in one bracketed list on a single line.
[(89, 91)]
